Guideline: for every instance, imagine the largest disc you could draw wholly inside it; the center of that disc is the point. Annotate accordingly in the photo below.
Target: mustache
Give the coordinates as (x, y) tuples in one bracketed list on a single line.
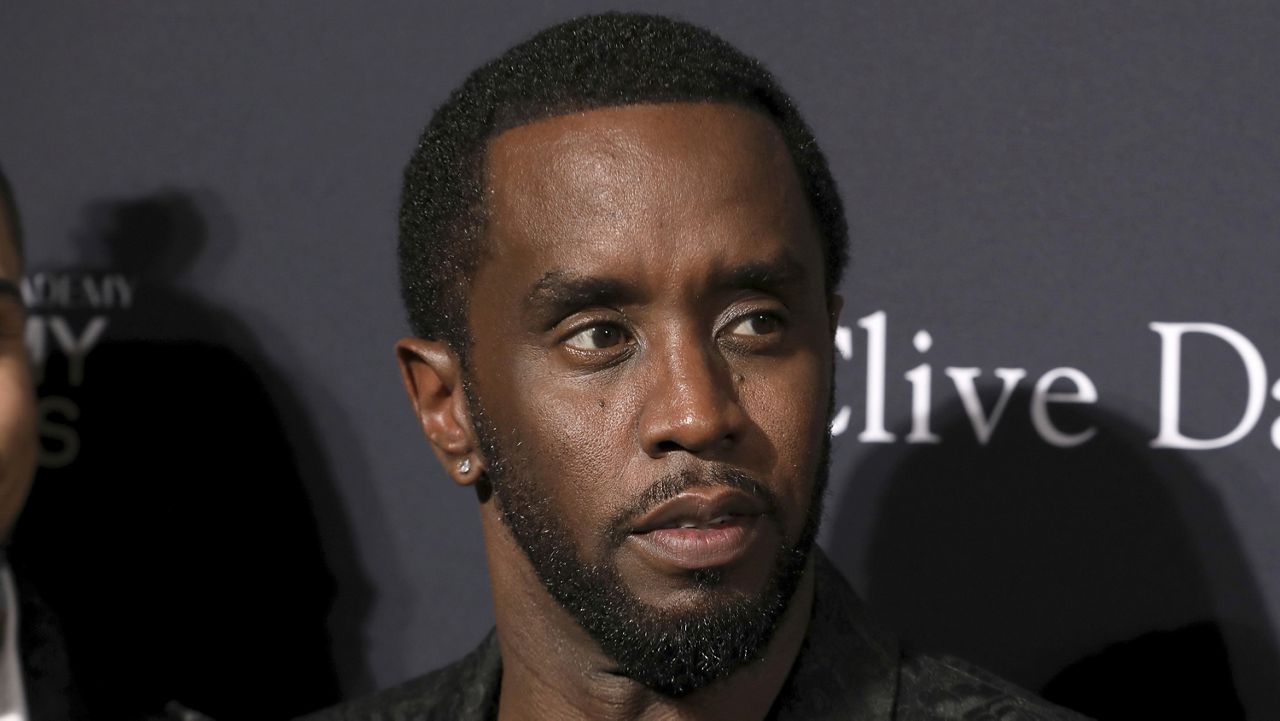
[(674, 484)]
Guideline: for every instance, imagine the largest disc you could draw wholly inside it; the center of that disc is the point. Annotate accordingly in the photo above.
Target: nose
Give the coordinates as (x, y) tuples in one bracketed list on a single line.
[(692, 404)]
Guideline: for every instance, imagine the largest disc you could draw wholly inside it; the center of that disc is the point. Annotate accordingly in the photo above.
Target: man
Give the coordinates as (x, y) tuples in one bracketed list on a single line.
[(17, 441), (620, 248), (36, 678)]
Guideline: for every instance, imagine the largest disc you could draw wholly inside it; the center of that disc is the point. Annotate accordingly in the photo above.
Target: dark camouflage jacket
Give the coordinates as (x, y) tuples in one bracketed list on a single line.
[(848, 668)]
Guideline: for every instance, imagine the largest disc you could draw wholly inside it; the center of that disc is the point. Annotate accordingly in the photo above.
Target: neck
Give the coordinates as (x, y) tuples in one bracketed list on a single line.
[(551, 668)]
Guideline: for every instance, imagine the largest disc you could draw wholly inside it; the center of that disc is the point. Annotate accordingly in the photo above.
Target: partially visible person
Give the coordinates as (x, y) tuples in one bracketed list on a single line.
[(17, 397), (17, 441), (36, 679)]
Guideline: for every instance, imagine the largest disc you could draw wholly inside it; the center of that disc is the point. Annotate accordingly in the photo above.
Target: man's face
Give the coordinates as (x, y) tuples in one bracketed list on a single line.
[(650, 376), (17, 404)]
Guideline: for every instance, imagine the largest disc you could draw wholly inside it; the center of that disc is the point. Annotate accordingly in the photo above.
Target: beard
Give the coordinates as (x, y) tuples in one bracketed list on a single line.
[(671, 651)]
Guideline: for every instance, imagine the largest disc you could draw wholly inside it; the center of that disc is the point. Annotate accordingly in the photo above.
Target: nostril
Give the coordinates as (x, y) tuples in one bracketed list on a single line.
[(671, 445), (668, 447)]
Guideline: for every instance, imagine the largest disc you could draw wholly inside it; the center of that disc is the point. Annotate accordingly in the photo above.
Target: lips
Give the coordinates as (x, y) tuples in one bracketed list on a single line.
[(700, 528), (699, 508)]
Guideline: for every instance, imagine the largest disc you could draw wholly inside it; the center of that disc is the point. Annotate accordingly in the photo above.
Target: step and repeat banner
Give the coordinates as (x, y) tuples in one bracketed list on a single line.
[(1057, 416)]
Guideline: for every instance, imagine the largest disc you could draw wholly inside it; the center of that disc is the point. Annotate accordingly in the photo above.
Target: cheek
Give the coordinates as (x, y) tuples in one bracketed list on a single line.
[(579, 438), (787, 403), (567, 439)]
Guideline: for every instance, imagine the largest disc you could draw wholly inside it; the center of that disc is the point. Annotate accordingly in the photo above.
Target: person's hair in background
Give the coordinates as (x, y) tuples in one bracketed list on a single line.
[(651, 60)]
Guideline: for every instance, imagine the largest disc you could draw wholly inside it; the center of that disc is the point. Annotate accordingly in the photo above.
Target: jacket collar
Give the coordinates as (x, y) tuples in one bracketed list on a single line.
[(848, 665)]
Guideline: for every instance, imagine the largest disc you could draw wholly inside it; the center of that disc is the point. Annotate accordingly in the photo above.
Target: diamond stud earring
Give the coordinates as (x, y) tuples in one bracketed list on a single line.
[(464, 466)]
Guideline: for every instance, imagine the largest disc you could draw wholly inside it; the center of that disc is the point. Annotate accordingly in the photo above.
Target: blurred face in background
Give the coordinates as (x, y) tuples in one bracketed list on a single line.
[(17, 395)]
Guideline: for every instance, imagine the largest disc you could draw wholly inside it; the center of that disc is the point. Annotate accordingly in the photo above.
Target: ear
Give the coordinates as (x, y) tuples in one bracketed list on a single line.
[(835, 303), (432, 377)]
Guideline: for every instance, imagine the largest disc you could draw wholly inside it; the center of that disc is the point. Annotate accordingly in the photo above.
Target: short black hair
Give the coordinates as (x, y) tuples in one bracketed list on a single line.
[(590, 62), (11, 211)]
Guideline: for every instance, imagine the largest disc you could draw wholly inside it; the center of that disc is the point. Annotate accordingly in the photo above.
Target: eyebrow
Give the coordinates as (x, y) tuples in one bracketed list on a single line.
[(767, 275), (559, 293)]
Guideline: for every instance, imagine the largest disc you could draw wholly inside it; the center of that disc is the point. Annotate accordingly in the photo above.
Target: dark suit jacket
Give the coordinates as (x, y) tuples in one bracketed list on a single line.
[(47, 676), (848, 668)]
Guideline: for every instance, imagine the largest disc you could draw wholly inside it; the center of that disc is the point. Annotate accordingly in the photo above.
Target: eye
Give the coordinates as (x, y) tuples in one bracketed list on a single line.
[(756, 324), (601, 336)]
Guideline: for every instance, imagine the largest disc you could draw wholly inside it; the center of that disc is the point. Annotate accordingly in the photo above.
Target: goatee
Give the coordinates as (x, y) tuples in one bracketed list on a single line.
[(673, 652)]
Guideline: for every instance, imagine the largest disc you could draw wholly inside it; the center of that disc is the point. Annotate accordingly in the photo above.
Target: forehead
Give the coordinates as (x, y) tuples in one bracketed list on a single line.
[(656, 181)]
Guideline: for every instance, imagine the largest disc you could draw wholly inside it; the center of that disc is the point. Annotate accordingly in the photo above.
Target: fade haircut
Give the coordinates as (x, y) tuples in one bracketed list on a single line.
[(11, 212), (591, 62)]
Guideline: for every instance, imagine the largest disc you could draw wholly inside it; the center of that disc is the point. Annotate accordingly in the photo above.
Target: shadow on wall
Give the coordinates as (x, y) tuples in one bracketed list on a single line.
[(1073, 571), (176, 538)]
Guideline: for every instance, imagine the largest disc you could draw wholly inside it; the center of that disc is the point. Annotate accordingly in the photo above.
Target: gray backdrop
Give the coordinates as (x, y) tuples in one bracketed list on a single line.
[(1032, 184)]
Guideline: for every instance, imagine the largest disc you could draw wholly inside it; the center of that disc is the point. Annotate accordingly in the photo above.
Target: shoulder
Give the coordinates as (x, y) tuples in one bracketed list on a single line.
[(942, 687), (463, 691)]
